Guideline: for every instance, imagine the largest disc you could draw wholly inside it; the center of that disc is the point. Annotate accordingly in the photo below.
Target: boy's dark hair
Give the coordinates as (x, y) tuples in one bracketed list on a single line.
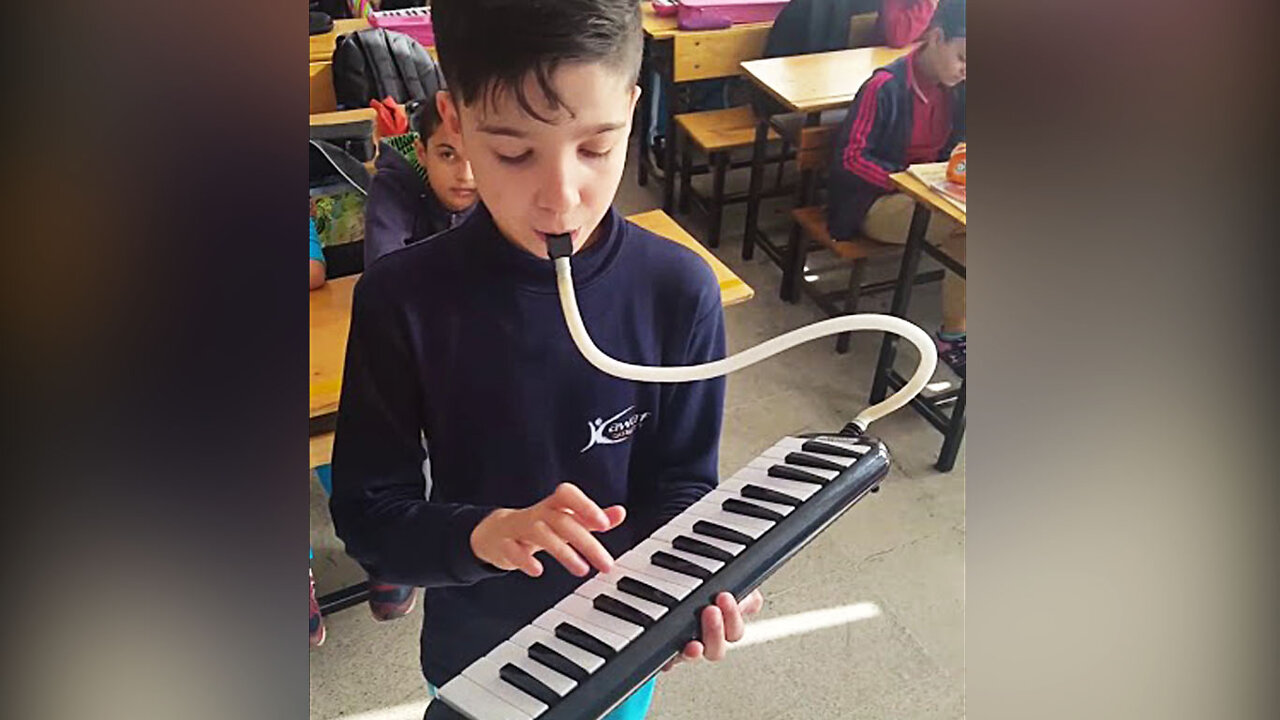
[(426, 119), (950, 17), (490, 46)]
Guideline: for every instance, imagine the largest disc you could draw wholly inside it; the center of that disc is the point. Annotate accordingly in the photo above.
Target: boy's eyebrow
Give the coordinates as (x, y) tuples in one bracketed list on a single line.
[(518, 133)]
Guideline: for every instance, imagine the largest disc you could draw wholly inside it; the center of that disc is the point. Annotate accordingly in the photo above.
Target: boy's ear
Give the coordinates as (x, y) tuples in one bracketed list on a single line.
[(932, 36), (636, 92), (448, 112)]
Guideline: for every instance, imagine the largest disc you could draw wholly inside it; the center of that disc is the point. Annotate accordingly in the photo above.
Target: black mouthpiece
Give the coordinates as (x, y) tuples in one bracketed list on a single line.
[(559, 246)]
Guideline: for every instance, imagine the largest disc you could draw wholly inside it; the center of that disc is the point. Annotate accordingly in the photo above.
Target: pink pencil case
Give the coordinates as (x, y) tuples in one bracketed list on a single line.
[(715, 14), (414, 22)]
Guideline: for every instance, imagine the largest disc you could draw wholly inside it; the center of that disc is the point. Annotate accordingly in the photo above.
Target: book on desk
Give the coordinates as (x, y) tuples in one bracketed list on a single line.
[(935, 176)]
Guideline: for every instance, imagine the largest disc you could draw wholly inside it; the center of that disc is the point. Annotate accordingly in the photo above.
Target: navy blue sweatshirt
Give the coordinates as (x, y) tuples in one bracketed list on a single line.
[(459, 354), (401, 208), (872, 143)]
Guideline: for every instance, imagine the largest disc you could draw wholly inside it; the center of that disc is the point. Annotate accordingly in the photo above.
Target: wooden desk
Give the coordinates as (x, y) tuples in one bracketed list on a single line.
[(809, 84), (886, 379), (732, 289), (331, 313), (912, 185), (676, 56), (820, 81)]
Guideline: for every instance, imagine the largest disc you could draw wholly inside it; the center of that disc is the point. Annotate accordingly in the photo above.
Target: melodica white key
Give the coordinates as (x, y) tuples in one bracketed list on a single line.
[(472, 701), (618, 628)]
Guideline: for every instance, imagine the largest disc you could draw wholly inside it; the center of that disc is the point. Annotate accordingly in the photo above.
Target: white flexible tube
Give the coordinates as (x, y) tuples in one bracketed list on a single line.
[(750, 356)]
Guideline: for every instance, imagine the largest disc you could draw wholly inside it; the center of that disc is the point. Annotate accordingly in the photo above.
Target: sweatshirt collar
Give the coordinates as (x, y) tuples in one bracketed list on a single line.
[(538, 274)]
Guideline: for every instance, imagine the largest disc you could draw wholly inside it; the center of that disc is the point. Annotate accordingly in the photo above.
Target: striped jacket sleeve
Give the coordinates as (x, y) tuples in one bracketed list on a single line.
[(868, 125)]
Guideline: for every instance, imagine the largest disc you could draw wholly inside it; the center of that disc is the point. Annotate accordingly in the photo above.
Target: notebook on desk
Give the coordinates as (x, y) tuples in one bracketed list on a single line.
[(935, 176)]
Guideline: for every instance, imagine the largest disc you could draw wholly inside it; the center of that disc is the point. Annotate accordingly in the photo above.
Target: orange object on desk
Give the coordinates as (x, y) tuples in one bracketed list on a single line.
[(956, 165)]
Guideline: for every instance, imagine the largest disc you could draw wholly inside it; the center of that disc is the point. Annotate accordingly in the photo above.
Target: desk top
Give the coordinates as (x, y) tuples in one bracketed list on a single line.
[(911, 185), (819, 81), (331, 312)]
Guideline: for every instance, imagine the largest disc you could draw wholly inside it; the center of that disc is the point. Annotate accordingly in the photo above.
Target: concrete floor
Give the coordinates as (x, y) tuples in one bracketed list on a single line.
[(901, 549)]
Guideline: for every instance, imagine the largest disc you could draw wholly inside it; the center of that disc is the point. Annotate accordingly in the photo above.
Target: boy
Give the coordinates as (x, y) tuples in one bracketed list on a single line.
[(404, 206), (902, 22), (317, 258), (911, 111), (458, 350)]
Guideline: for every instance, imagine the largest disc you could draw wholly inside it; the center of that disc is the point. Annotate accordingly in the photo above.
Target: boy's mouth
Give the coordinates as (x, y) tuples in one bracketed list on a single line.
[(545, 236)]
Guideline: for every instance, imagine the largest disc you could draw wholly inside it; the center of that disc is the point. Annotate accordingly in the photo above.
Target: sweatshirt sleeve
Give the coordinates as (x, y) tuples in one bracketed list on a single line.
[(388, 223), (379, 504), (866, 131), (903, 21), (692, 416)]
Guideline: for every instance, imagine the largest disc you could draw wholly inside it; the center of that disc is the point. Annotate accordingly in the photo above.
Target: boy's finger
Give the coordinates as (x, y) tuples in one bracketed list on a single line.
[(734, 626), (544, 536), (752, 604), (595, 553), (569, 497), (713, 644), (616, 514), (521, 557), (692, 651)]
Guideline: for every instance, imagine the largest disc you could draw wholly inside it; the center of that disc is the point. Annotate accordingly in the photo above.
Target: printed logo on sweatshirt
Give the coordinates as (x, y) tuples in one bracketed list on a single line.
[(616, 429)]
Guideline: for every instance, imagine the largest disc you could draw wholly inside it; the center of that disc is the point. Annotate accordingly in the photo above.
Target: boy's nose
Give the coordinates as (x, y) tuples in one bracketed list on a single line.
[(556, 190), (464, 175)]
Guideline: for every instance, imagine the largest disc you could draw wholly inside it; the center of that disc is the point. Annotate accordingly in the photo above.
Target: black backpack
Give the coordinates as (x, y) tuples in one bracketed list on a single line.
[(373, 64)]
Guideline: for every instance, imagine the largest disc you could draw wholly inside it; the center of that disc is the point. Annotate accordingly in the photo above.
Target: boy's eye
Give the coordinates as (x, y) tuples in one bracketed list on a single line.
[(595, 154), (514, 159)]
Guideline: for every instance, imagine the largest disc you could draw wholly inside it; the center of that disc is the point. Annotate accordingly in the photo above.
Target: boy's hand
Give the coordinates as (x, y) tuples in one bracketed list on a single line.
[(722, 623), (561, 524)]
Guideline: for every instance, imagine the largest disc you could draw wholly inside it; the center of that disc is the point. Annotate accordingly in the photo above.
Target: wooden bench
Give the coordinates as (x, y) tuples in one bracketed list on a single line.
[(809, 229), (716, 134)]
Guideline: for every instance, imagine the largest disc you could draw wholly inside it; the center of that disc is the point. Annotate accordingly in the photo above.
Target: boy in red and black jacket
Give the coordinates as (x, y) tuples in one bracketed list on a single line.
[(911, 111)]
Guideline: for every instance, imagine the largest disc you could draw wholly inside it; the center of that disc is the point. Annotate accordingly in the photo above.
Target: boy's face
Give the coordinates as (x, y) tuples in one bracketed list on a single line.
[(544, 178), (947, 57), (448, 172)]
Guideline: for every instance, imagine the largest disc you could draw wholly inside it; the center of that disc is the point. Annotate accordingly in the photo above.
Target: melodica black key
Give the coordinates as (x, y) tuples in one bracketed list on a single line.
[(621, 610), (720, 532), (645, 591), (697, 547), (829, 448), (575, 635), (554, 660), (680, 565), (742, 507), (786, 472), (806, 460), (631, 660), (528, 683), (755, 492)]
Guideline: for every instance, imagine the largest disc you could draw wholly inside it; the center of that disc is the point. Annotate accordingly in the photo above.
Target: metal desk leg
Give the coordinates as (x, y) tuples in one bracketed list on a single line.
[(955, 432), (901, 298), (793, 265), (753, 195), (673, 108)]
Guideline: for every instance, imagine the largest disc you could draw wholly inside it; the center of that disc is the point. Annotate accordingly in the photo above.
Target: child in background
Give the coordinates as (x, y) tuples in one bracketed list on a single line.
[(409, 202), (317, 258), (911, 111), (458, 351), (902, 22)]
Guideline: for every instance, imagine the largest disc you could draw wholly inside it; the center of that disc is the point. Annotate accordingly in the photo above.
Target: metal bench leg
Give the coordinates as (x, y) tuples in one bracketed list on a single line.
[(753, 195), (955, 433), (856, 275), (793, 270), (686, 172), (782, 161), (717, 197)]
